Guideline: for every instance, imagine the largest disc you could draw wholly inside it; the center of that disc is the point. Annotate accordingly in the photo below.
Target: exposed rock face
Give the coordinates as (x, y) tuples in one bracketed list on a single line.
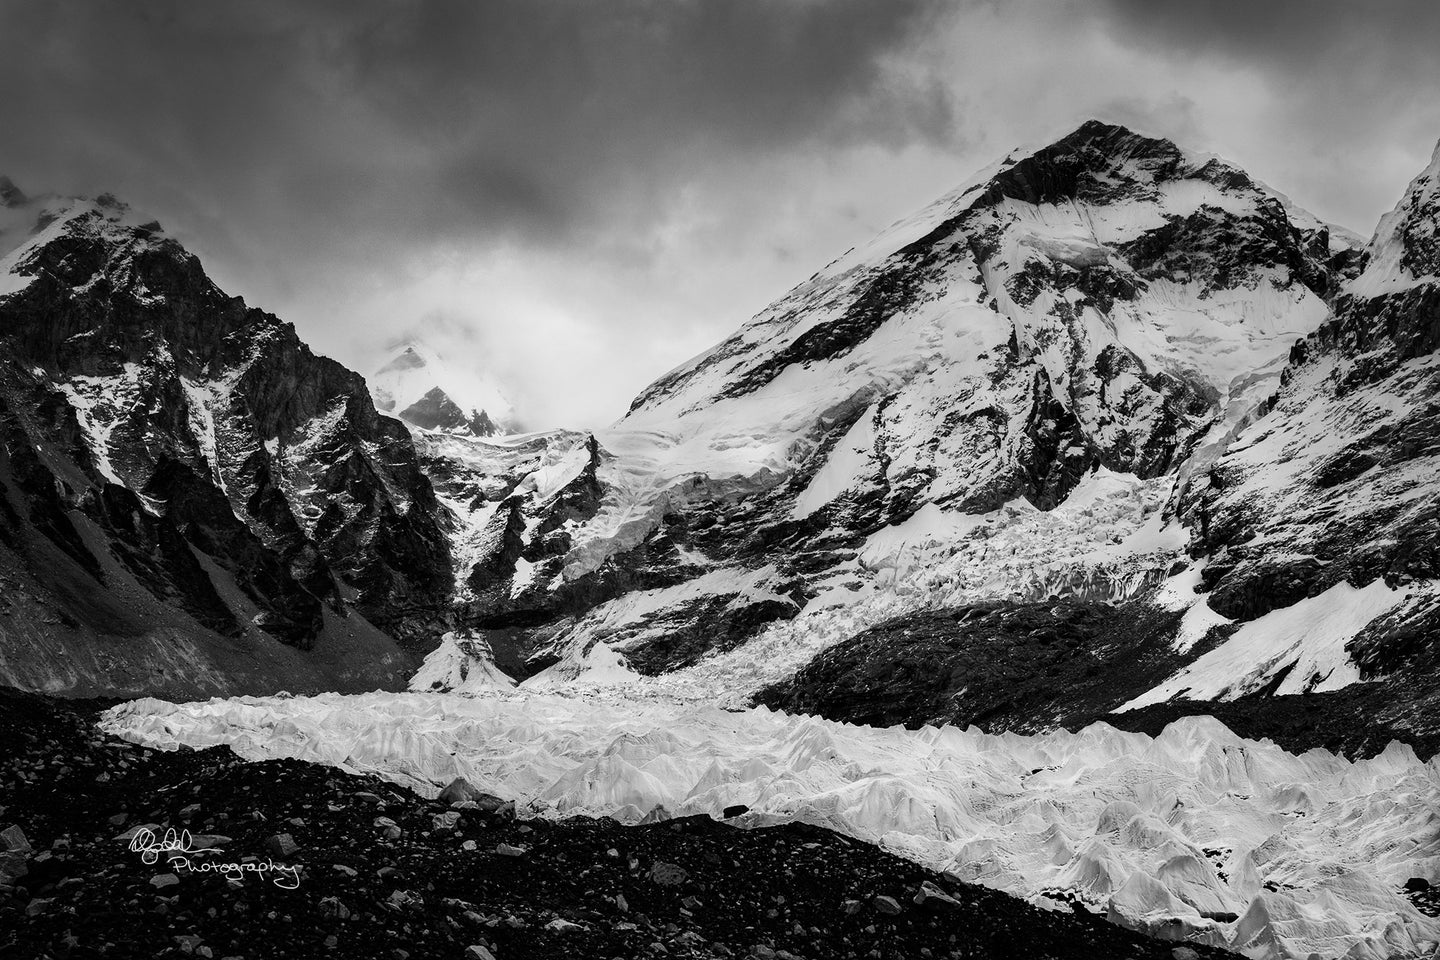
[(436, 411), (162, 436)]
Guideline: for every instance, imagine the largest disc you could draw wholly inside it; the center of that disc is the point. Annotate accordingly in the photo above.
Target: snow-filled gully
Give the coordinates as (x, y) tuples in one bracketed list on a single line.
[(1171, 834)]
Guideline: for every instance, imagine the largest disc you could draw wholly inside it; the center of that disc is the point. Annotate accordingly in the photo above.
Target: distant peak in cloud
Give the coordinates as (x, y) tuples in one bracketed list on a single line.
[(432, 391), (10, 195)]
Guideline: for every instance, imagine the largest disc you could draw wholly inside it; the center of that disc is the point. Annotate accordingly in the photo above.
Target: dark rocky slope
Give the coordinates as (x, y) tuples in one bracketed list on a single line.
[(1028, 667), (1000, 665)]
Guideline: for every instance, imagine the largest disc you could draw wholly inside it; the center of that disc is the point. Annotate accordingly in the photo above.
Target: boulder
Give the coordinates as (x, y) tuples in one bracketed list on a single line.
[(932, 896), (668, 874), (458, 790), (887, 905), (281, 845), (12, 840)]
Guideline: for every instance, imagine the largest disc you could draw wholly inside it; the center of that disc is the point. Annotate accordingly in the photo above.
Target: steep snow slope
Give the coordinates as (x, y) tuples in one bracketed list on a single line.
[(1195, 833), (1298, 649), (1110, 302)]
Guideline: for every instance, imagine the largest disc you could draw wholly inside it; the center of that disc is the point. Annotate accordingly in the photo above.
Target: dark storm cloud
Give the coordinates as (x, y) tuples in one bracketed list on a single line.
[(1353, 87), (1358, 68), (1368, 43), (534, 116)]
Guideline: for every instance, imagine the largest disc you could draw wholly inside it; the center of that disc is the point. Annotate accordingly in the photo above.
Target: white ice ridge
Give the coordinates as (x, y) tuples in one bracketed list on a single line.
[(1309, 851)]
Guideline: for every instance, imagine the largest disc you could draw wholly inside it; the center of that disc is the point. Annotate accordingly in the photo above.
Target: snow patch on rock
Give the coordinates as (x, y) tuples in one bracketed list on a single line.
[(1304, 641)]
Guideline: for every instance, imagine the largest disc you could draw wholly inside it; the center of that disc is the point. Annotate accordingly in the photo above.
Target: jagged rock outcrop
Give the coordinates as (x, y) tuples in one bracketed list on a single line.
[(436, 411)]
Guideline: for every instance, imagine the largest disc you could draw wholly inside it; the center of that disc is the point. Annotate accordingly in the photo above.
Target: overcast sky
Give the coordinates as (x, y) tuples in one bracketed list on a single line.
[(577, 196)]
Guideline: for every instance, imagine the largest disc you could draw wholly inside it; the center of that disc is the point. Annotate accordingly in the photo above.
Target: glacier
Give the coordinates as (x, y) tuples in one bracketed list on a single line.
[(1195, 833)]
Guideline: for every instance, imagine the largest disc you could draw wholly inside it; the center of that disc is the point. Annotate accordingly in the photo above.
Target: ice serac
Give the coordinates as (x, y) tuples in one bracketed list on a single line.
[(1337, 488), (191, 500), (1107, 306)]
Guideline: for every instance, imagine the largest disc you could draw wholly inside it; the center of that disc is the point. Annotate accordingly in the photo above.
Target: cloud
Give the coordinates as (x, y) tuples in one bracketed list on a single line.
[(329, 157), (1388, 39), (541, 118), (1348, 94), (1173, 116)]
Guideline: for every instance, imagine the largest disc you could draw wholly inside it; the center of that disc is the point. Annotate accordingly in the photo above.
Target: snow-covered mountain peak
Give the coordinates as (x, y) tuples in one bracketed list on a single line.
[(236, 478), (1096, 162), (53, 248), (428, 391), (1107, 214), (1089, 315), (1104, 300)]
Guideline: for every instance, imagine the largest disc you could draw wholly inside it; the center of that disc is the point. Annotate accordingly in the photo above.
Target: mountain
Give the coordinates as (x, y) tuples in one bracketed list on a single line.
[(1110, 431), (1309, 564), (1338, 486), (425, 391), (995, 400), (190, 500)]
